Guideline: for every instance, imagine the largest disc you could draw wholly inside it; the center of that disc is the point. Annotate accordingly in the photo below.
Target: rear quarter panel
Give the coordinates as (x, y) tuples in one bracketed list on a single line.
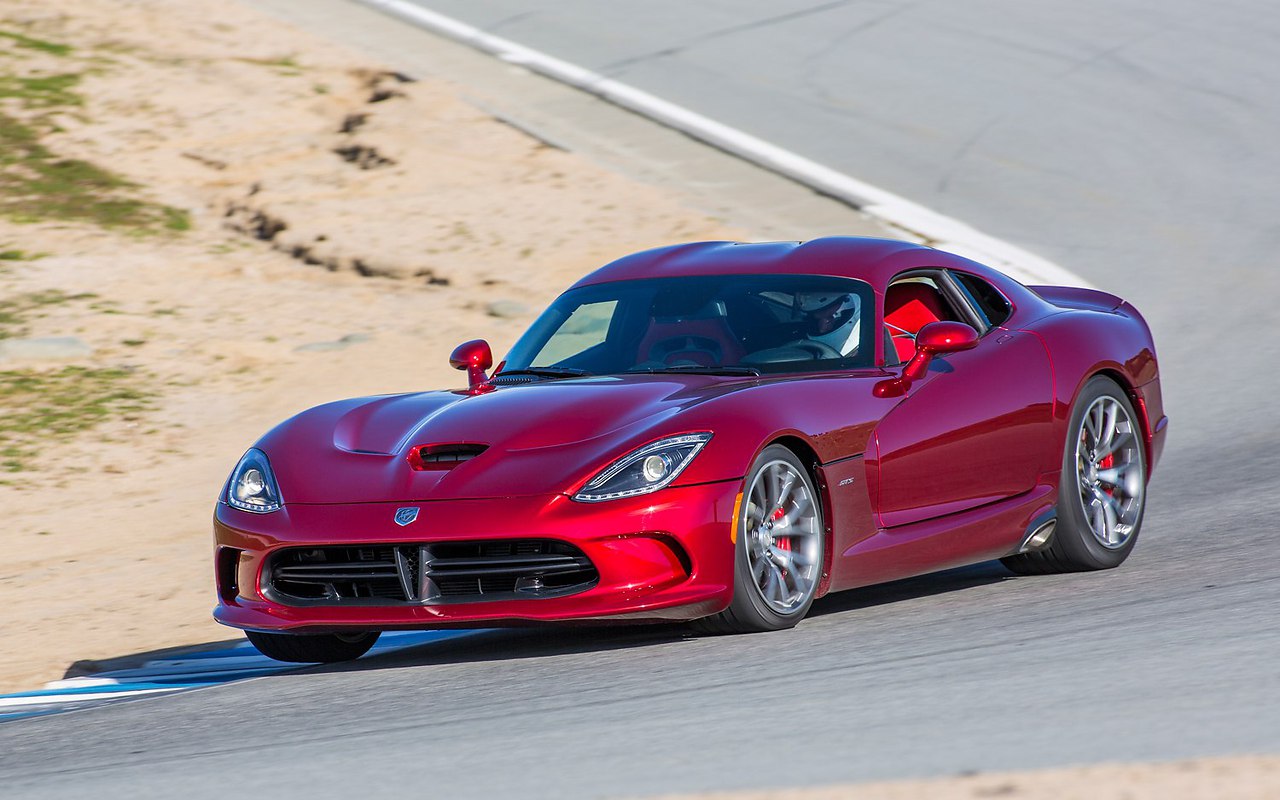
[(1110, 338)]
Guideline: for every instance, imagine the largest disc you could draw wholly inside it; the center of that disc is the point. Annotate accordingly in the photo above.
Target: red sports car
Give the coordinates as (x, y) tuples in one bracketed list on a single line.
[(718, 432)]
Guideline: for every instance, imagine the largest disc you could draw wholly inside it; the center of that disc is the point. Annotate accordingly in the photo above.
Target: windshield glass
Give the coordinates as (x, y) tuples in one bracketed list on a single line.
[(765, 323)]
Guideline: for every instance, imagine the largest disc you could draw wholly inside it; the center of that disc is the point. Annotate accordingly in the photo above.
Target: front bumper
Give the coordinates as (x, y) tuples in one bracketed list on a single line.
[(662, 556)]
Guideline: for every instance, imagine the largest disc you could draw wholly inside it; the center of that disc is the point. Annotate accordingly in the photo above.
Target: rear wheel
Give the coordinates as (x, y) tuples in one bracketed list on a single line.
[(1102, 493), (312, 648), (778, 547)]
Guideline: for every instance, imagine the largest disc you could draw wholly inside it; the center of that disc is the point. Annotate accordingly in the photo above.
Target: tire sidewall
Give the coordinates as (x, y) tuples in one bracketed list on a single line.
[(1074, 533), (747, 603)]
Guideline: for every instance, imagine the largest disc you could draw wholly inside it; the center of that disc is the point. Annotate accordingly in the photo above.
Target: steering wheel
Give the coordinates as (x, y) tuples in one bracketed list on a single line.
[(819, 350), (687, 345)]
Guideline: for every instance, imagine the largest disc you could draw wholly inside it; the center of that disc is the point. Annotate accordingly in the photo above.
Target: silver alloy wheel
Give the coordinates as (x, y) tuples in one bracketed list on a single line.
[(781, 535), (1109, 472)]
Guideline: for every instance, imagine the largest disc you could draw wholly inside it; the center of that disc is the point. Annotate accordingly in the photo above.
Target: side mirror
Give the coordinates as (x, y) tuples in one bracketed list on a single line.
[(933, 339), (476, 358)]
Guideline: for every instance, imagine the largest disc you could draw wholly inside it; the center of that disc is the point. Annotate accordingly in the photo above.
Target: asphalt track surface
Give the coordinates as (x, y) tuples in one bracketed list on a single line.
[(1132, 142)]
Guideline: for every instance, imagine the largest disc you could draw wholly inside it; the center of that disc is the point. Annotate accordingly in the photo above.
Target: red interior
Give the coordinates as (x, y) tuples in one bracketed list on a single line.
[(908, 307)]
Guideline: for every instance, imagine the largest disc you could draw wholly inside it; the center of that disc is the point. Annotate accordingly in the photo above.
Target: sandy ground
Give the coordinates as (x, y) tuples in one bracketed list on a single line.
[(348, 229)]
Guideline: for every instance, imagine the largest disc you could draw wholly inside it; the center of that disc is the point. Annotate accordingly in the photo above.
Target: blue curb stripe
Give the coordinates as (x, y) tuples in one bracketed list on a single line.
[(178, 673), (87, 690)]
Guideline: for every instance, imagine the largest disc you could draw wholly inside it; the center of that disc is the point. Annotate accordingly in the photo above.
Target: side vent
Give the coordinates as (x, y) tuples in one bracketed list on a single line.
[(228, 567), (443, 456)]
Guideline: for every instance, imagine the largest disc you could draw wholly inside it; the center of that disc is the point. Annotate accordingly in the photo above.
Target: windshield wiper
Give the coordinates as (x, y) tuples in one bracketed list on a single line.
[(698, 370), (545, 372)]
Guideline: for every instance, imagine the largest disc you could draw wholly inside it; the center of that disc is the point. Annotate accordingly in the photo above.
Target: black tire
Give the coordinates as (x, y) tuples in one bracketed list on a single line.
[(750, 611), (313, 648), (1074, 547)]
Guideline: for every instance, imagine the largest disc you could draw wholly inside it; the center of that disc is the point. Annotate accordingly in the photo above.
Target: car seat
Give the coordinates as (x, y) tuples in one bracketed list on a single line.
[(908, 307)]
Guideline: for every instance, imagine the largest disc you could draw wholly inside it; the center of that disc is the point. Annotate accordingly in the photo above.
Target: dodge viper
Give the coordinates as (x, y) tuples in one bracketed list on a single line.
[(716, 433)]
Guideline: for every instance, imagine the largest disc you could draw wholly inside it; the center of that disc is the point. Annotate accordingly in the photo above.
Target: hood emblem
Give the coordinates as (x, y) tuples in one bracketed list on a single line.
[(406, 515)]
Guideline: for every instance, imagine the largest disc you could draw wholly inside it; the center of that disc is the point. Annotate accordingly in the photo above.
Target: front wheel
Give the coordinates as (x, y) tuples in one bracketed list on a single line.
[(1102, 491), (313, 648), (778, 547)]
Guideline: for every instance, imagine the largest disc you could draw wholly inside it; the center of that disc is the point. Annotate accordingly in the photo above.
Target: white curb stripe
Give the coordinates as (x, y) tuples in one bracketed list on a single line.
[(177, 674), (912, 219), (72, 699)]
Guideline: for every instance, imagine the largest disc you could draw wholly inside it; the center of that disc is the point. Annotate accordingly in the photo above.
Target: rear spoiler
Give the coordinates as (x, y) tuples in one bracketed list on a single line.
[(1076, 297)]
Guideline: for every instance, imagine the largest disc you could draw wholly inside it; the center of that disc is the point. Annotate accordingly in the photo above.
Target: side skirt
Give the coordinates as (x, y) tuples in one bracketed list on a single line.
[(970, 537)]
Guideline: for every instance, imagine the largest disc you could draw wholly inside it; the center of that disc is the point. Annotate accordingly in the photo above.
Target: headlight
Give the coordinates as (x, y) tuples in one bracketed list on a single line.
[(644, 470), (252, 486)]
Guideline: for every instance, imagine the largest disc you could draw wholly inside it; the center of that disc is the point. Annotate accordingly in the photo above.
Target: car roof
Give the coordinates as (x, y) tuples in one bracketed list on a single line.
[(875, 261)]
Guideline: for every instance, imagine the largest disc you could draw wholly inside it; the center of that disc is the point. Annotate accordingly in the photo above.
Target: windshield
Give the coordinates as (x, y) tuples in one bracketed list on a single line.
[(721, 323)]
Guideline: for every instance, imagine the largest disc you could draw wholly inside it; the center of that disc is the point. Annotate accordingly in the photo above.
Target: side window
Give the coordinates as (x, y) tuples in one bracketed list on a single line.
[(985, 297), (586, 327), (910, 303)]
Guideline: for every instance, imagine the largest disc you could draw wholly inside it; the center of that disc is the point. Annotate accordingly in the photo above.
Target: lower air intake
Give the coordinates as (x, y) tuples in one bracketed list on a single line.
[(463, 572), (429, 573)]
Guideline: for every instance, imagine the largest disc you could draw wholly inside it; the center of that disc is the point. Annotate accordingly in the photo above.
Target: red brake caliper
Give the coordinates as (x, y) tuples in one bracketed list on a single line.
[(782, 543), (1108, 463)]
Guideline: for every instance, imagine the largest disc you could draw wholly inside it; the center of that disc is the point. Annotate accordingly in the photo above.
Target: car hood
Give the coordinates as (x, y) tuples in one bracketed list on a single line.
[(540, 438)]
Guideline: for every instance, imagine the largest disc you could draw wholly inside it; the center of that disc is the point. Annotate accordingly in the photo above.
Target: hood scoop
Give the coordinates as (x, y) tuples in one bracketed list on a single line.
[(443, 457)]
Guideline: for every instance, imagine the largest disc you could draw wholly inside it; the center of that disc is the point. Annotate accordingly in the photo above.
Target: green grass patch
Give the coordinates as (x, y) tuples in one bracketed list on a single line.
[(54, 297), (285, 65), (283, 62), (52, 48), (37, 185), (15, 311), (10, 320), (48, 408), (176, 219), (44, 91)]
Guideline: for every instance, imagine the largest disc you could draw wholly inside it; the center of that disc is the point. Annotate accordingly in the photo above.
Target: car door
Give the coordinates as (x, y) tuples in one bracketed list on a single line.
[(975, 430)]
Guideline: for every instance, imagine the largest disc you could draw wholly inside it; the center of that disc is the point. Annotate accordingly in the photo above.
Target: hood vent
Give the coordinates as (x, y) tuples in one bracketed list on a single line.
[(443, 456), (513, 380)]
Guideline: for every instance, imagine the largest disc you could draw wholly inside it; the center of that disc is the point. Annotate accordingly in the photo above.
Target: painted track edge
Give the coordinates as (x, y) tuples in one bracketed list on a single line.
[(908, 217)]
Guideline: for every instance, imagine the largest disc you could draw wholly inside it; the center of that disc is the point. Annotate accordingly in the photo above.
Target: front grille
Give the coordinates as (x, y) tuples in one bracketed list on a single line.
[(478, 570), (432, 574), (338, 573)]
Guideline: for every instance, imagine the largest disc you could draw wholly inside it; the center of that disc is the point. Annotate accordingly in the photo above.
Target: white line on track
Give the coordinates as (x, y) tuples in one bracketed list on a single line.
[(178, 673), (912, 219)]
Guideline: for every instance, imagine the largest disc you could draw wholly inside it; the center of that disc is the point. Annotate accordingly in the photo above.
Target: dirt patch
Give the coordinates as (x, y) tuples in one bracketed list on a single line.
[(139, 359)]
